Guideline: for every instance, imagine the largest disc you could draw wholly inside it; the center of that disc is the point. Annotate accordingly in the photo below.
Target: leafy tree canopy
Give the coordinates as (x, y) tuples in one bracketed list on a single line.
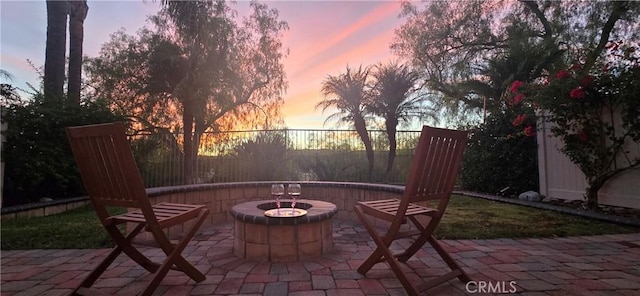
[(201, 69), (455, 44), (197, 55)]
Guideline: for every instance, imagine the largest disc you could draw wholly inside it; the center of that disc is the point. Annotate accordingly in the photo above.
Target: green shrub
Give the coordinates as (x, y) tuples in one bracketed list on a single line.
[(498, 156), (37, 156), (265, 158)]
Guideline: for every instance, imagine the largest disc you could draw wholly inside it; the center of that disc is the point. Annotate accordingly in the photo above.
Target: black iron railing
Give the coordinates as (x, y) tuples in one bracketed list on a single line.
[(291, 154)]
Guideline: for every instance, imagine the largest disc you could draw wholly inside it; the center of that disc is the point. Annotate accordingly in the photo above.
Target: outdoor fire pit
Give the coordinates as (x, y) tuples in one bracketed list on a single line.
[(283, 239)]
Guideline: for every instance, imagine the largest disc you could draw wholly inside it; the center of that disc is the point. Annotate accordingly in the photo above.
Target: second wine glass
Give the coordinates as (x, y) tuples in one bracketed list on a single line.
[(277, 190), (294, 191)]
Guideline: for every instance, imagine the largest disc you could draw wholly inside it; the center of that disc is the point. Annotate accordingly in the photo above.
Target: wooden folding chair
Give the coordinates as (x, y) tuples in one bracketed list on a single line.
[(431, 178), (111, 178)]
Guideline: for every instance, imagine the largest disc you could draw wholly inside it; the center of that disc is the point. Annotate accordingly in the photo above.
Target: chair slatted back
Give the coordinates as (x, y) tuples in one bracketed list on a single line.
[(435, 166), (432, 176), (107, 166)]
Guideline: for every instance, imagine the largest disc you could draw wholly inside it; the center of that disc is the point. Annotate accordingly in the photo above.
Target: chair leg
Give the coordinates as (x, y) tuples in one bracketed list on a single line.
[(180, 261), (413, 249), (130, 250), (376, 256), (106, 262), (96, 272), (419, 242), (448, 259), (174, 257), (382, 251), (456, 271)]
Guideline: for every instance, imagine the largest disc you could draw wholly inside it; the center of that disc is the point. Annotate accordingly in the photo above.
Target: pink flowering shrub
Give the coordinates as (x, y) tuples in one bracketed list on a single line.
[(517, 99), (577, 93), (529, 131), (515, 86), (563, 74), (582, 105), (519, 120)]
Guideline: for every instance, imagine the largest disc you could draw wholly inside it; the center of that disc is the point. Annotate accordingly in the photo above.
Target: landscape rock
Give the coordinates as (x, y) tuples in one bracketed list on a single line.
[(530, 196)]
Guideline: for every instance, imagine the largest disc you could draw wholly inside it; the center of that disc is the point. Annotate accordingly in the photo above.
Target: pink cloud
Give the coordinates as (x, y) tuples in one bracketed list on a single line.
[(314, 52), (324, 37), (309, 64)]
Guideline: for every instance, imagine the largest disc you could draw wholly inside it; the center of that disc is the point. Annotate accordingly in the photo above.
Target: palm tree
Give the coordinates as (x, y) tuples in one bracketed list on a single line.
[(77, 13), (348, 93), (394, 99), (54, 62)]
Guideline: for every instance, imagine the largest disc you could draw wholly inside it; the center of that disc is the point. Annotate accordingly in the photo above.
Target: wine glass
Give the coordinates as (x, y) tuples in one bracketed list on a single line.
[(294, 190), (277, 190)]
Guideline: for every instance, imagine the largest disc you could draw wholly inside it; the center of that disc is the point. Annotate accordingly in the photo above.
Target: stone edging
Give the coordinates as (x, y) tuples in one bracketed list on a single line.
[(41, 204), (44, 208)]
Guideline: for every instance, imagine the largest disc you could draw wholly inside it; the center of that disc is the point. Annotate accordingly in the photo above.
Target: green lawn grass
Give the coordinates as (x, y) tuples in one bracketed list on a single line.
[(466, 218), (75, 229), (476, 218)]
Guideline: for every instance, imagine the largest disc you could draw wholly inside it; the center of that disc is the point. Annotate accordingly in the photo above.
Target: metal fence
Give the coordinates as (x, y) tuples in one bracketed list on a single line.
[(290, 154)]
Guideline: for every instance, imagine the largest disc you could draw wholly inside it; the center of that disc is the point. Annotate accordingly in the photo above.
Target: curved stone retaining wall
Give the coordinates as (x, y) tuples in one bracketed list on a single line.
[(221, 197)]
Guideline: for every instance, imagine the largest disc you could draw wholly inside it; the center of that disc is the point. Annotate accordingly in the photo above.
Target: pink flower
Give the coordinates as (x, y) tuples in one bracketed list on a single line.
[(576, 67), (529, 131), (563, 74), (519, 120), (577, 93), (517, 99), (515, 85), (586, 81)]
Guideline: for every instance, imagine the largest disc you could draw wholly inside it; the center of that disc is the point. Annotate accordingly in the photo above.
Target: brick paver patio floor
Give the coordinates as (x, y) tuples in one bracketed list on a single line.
[(595, 265)]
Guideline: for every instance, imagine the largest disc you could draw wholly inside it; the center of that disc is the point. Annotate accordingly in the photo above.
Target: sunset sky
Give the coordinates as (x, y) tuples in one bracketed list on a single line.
[(324, 37)]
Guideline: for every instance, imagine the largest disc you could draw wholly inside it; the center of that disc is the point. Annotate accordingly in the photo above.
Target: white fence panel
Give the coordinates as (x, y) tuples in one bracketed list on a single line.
[(561, 178)]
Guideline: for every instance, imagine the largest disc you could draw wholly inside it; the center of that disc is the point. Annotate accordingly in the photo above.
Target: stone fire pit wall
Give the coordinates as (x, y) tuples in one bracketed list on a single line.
[(282, 239), (221, 197)]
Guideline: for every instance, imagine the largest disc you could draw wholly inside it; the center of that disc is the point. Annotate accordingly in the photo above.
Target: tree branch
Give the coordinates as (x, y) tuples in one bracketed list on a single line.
[(533, 6), (619, 7)]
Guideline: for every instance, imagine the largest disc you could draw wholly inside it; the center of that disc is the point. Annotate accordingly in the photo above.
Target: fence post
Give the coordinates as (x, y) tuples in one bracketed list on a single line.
[(543, 148)]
